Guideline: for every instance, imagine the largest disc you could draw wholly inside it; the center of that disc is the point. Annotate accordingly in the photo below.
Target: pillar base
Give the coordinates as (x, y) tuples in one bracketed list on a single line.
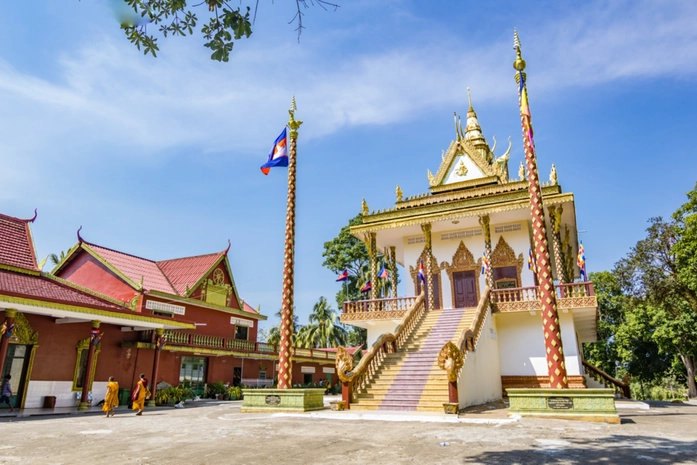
[(565, 404), (83, 406), (150, 403), (282, 400)]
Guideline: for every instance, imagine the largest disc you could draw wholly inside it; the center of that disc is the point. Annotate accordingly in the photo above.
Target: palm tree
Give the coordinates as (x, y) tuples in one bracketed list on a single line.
[(324, 329), (274, 334), (56, 259)]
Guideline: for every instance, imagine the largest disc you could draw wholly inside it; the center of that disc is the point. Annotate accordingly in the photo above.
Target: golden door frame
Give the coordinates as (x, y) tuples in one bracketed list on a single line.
[(504, 255), (463, 260), (25, 335), (435, 271)]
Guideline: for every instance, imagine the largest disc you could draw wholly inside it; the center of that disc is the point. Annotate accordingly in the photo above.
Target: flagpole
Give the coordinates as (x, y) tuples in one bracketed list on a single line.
[(285, 362), (556, 366)]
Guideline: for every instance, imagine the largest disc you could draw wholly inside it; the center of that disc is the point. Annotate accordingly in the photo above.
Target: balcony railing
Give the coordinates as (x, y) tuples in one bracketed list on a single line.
[(379, 305), (178, 338)]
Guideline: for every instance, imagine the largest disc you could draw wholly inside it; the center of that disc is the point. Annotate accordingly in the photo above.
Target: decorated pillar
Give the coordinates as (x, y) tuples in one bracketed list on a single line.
[(285, 363), (555, 222), (373, 253), (489, 272), (393, 270), (556, 365), (8, 327), (426, 228), (95, 337), (160, 340)]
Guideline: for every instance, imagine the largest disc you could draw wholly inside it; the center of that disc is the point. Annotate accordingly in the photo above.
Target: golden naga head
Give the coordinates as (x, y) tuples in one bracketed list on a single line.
[(451, 360), (344, 364)]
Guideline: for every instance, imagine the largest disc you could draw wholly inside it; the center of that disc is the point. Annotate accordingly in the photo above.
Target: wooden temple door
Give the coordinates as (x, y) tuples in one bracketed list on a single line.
[(465, 285)]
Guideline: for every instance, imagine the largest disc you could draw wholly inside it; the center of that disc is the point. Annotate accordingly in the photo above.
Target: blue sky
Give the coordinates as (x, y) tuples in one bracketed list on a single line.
[(160, 157)]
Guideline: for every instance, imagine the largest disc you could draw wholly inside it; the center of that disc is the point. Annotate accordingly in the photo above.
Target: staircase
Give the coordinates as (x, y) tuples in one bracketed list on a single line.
[(410, 379)]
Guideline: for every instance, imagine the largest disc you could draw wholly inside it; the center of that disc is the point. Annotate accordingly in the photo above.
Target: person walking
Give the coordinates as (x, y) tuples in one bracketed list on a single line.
[(140, 393), (112, 397), (6, 393)]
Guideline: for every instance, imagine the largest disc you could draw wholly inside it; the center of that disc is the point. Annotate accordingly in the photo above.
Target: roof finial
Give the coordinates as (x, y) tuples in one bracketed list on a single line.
[(35, 215), (79, 237), (228, 247), (469, 98), (519, 63), (293, 106)]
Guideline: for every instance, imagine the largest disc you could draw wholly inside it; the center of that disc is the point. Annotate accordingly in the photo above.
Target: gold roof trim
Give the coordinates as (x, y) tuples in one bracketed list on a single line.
[(456, 149), (436, 213)]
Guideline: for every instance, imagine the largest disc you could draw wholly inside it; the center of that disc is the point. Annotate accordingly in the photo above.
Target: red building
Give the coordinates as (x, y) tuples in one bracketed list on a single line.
[(178, 321)]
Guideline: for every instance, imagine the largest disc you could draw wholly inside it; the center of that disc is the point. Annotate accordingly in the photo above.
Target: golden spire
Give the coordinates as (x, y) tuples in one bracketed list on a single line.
[(292, 123), (469, 99), (519, 63)]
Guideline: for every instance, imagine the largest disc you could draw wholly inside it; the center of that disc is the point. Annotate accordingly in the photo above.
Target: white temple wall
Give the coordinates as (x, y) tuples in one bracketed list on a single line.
[(62, 391), (521, 344), (480, 379), (381, 327), (522, 349)]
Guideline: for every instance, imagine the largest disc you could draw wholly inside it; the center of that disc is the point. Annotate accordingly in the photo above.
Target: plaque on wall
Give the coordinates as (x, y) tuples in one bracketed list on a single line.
[(273, 400), (560, 403)]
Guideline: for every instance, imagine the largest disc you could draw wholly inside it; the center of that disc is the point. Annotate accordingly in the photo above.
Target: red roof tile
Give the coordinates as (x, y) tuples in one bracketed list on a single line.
[(187, 271), (136, 268), (41, 288), (16, 246), (249, 309)]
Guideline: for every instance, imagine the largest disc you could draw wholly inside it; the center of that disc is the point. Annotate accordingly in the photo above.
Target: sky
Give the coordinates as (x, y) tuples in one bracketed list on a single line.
[(159, 157)]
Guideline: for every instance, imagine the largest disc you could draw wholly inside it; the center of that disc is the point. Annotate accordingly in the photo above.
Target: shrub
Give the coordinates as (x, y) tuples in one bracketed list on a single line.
[(173, 395), (215, 388)]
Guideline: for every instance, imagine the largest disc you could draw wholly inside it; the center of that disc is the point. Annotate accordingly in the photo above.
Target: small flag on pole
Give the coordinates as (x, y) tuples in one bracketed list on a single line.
[(485, 263), (422, 275), (531, 262), (581, 261), (278, 155), (383, 273), (343, 276), (366, 287)]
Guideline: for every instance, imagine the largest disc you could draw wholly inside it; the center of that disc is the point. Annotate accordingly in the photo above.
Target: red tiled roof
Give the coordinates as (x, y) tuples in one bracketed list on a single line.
[(249, 309), (187, 271), (41, 288), (136, 268), (16, 246)]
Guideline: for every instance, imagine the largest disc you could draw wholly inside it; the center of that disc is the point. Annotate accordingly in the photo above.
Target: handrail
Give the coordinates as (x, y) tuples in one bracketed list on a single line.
[(469, 336), (378, 305), (620, 386), (358, 378)]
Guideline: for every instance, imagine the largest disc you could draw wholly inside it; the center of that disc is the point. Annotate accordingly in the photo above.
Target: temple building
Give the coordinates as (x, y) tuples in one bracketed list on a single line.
[(104, 313), (470, 237)]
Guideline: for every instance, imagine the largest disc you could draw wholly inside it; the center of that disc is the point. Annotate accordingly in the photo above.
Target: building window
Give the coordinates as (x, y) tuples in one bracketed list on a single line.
[(83, 348), (241, 332), (262, 375), (307, 378), (159, 313)]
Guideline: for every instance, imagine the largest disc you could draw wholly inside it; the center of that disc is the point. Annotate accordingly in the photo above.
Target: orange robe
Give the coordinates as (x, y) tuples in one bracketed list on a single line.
[(112, 397), (139, 396)]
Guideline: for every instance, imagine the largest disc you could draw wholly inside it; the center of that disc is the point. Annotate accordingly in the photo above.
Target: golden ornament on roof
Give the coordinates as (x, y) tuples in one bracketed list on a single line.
[(461, 169), (431, 178), (521, 171), (399, 193), (553, 176)]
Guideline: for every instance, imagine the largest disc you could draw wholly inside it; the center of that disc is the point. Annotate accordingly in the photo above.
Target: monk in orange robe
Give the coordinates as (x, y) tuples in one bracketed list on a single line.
[(140, 393), (112, 397)]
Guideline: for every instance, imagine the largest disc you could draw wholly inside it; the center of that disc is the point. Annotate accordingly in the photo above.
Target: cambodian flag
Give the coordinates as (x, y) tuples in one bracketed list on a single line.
[(343, 276), (366, 287), (279, 153), (422, 275), (581, 261), (485, 263), (383, 273)]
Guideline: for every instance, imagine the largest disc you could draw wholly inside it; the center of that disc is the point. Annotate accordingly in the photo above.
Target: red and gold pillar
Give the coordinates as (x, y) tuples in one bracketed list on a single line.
[(95, 336), (555, 222), (159, 344), (484, 222), (7, 326), (285, 362), (556, 365), (393, 270), (426, 228)]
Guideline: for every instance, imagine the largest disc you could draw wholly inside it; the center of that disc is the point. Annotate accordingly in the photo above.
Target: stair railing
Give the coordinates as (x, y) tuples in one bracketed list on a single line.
[(452, 356), (355, 380), (600, 376)]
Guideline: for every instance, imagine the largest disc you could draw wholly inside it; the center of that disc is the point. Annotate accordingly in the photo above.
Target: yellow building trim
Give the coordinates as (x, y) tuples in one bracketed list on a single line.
[(201, 303)]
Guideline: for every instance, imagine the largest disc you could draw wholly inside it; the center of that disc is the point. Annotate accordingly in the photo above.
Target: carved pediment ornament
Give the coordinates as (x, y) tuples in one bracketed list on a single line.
[(463, 260), (504, 255), (23, 333)]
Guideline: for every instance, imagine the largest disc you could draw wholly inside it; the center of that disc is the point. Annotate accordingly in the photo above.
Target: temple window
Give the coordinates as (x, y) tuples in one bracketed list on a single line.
[(241, 333)]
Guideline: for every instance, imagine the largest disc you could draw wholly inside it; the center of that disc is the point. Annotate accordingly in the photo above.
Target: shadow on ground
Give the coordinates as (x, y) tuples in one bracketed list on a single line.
[(615, 449)]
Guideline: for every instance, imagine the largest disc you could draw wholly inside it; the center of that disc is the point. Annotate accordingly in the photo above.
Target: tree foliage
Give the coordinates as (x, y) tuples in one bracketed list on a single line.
[(323, 329), (223, 25)]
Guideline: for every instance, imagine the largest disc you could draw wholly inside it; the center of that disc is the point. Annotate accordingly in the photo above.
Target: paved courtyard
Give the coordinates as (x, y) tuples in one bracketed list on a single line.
[(219, 433)]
